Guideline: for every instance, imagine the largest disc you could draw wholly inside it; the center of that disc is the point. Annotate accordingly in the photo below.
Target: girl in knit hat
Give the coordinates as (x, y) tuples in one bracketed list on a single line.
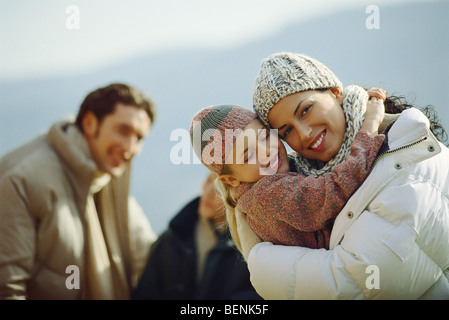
[(254, 175)]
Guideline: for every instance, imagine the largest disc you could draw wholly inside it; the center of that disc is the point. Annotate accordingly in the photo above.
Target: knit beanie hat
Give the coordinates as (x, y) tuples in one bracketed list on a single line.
[(285, 73), (212, 133)]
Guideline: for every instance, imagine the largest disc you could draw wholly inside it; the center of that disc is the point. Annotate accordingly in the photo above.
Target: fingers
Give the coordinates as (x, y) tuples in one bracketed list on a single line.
[(377, 93), (375, 112), (376, 100), (375, 103)]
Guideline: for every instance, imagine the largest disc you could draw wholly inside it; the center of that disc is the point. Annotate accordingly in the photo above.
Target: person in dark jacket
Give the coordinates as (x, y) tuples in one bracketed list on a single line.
[(195, 258)]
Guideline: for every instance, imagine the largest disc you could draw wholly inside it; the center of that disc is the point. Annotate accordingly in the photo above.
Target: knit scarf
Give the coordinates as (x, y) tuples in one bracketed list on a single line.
[(354, 108)]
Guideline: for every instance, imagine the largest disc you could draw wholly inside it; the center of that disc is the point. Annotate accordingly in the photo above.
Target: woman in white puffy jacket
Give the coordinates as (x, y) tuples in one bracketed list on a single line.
[(391, 240)]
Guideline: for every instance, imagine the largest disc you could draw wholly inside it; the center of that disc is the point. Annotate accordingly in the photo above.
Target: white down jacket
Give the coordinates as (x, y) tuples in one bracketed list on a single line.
[(390, 241)]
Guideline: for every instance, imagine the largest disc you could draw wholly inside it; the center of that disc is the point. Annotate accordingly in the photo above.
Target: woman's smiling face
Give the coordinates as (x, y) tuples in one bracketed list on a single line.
[(311, 122)]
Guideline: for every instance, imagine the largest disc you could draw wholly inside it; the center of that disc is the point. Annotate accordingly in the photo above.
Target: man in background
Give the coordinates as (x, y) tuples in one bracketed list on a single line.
[(196, 258), (69, 228)]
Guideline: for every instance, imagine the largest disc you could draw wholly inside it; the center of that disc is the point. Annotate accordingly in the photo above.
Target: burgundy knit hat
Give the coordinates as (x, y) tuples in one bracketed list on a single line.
[(213, 130)]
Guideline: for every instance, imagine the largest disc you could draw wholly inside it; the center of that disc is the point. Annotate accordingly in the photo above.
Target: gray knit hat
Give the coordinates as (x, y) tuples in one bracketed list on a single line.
[(208, 135), (285, 73)]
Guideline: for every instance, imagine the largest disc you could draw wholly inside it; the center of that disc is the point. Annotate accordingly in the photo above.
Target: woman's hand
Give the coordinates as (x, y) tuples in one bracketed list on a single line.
[(375, 110), (377, 93)]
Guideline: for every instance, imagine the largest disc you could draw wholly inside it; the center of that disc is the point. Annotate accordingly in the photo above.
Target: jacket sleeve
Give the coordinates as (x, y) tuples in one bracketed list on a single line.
[(377, 259), (308, 203), (142, 237), (151, 283), (396, 249), (17, 244)]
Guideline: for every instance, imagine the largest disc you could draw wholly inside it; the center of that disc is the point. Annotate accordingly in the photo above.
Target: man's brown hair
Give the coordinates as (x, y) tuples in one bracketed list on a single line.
[(103, 101)]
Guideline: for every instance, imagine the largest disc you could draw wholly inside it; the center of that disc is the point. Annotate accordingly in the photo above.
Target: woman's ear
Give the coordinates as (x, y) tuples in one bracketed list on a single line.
[(338, 93), (229, 179)]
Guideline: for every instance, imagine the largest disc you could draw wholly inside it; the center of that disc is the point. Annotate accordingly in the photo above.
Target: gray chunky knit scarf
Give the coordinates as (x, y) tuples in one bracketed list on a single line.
[(354, 107)]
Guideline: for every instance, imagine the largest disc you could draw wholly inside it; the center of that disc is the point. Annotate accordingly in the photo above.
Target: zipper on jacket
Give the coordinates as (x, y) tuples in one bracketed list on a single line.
[(393, 151)]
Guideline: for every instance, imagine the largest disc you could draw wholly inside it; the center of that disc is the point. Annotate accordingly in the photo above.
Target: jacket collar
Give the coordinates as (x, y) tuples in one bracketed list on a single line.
[(183, 225), (71, 146), (411, 126), (184, 222)]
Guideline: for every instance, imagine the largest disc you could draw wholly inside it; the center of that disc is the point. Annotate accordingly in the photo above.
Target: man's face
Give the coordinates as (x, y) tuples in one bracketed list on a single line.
[(117, 139)]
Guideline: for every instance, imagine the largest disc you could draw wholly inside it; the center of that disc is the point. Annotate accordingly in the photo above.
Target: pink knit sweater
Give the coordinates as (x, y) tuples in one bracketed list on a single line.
[(297, 210)]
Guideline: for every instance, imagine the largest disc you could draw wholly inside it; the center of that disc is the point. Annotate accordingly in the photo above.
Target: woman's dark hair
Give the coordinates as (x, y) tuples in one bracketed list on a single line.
[(397, 104), (103, 101)]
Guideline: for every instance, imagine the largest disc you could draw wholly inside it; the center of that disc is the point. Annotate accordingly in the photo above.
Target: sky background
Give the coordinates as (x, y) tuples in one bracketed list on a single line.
[(35, 41), (188, 54)]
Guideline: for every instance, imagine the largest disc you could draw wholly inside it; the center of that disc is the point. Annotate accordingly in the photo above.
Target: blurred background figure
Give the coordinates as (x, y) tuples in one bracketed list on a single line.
[(69, 227), (196, 258)]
